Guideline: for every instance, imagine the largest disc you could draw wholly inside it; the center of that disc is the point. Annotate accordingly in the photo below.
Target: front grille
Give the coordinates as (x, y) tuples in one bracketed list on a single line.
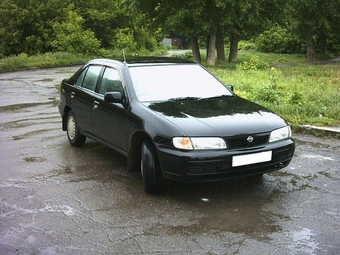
[(210, 167), (242, 141)]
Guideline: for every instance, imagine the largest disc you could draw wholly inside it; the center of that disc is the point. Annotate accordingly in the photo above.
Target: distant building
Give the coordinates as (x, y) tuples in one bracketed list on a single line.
[(177, 42), (167, 42), (173, 41)]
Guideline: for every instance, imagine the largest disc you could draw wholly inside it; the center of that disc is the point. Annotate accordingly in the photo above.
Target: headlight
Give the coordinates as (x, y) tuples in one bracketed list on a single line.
[(280, 134), (199, 143)]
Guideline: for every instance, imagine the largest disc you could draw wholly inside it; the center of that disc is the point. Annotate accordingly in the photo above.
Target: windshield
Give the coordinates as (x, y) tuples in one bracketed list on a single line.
[(165, 82)]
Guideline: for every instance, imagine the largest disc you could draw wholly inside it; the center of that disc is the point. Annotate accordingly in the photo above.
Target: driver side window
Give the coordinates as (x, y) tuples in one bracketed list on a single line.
[(111, 82)]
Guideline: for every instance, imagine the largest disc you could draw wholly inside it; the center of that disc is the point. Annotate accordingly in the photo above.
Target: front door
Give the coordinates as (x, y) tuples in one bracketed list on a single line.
[(109, 119)]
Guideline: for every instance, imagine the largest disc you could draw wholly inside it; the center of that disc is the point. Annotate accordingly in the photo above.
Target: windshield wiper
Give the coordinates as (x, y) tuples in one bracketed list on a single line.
[(183, 98), (222, 96)]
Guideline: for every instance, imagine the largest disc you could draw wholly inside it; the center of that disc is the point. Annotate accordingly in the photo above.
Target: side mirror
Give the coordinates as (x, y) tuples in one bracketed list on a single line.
[(113, 97), (230, 87)]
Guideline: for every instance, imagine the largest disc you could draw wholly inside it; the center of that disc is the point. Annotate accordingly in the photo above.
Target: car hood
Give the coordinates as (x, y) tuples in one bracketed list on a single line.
[(218, 116)]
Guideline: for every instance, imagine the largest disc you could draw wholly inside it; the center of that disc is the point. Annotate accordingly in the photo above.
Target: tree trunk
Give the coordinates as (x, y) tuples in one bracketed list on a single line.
[(323, 42), (195, 49), (234, 38), (211, 59), (324, 45), (220, 46), (309, 43)]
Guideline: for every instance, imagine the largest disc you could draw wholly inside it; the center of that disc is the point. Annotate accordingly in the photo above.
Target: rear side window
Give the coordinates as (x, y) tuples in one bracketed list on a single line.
[(80, 79), (91, 77)]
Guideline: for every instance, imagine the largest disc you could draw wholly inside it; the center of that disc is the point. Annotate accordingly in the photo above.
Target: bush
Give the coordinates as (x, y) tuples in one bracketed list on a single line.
[(13, 62), (246, 45), (187, 56), (253, 64), (269, 93), (54, 59), (279, 40), (71, 37), (124, 40)]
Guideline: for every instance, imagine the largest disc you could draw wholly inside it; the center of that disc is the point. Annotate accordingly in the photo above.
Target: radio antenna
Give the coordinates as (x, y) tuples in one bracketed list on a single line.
[(124, 55)]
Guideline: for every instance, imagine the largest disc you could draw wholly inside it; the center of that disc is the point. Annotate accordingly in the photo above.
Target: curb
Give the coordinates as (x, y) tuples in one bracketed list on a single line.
[(320, 131)]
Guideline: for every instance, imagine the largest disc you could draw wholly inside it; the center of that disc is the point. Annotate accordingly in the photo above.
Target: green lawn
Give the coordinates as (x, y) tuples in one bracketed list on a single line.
[(300, 91)]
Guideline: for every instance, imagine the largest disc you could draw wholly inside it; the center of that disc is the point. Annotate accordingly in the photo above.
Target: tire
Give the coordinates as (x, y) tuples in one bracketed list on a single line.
[(153, 180), (74, 137)]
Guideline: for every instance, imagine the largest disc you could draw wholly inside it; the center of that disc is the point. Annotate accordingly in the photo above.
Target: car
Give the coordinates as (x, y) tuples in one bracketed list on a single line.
[(173, 120)]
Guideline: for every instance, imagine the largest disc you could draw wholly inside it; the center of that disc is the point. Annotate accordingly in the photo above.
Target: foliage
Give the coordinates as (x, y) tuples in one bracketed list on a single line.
[(124, 39), (26, 26), (40, 26), (56, 59), (317, 22), (71, 37), (253, 64), (194, 19), (269, 92), (186, 55), (279, 40), (300, 92)]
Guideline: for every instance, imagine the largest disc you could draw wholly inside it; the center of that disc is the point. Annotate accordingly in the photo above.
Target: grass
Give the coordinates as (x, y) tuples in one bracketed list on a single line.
[(56, 59), (302, 92), (23, 61)]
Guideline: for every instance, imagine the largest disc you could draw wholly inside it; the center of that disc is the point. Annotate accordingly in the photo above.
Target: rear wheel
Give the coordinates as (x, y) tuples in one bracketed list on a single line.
[(153, 180), (73, 134)]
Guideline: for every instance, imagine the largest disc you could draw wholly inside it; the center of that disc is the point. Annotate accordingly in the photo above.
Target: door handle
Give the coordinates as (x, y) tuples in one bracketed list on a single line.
[(95, 104), (72, 94)]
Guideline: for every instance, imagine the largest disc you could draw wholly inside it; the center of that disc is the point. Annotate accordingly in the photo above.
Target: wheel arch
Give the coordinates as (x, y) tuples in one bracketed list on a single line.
[(67, 109), (135, 150)]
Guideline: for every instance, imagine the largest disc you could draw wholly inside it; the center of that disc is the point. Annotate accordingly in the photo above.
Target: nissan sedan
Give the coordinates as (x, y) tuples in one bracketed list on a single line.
[(172, 119)]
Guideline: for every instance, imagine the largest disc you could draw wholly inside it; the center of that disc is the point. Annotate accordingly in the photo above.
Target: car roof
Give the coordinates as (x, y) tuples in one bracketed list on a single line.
[(156, 60), (141, 61)]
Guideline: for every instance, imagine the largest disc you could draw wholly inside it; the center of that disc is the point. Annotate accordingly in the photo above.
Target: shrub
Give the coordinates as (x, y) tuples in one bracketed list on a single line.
[(13, 62), (124, 40), (253, 64), (269, 93), (71, 37), (279, 40), (296, 98)]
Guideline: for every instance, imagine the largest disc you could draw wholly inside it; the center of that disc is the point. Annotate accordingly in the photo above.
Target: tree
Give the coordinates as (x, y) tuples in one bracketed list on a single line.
[(117, 24), (103, 17), (71, 37), (247, 18), (193, 19), (33, 26), (316, 18), (213, 20), (11, 30), (26, 26)]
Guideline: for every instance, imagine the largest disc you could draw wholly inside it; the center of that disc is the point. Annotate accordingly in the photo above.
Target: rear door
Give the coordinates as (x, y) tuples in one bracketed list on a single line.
[(82, 97)]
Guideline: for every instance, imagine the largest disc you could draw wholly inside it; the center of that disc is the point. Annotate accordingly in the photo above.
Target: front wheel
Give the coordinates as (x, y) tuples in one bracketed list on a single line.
[(73, 134), (153, 180)]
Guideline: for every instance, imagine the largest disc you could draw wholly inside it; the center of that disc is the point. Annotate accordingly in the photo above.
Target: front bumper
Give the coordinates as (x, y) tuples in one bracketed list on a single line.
[(204, 166)]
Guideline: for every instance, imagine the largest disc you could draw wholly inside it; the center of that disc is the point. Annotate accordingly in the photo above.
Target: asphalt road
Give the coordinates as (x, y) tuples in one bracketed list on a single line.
[(57, 199)]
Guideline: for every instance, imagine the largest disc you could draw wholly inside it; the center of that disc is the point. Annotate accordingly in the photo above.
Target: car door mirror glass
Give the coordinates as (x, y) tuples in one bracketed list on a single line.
[(113, 97)]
